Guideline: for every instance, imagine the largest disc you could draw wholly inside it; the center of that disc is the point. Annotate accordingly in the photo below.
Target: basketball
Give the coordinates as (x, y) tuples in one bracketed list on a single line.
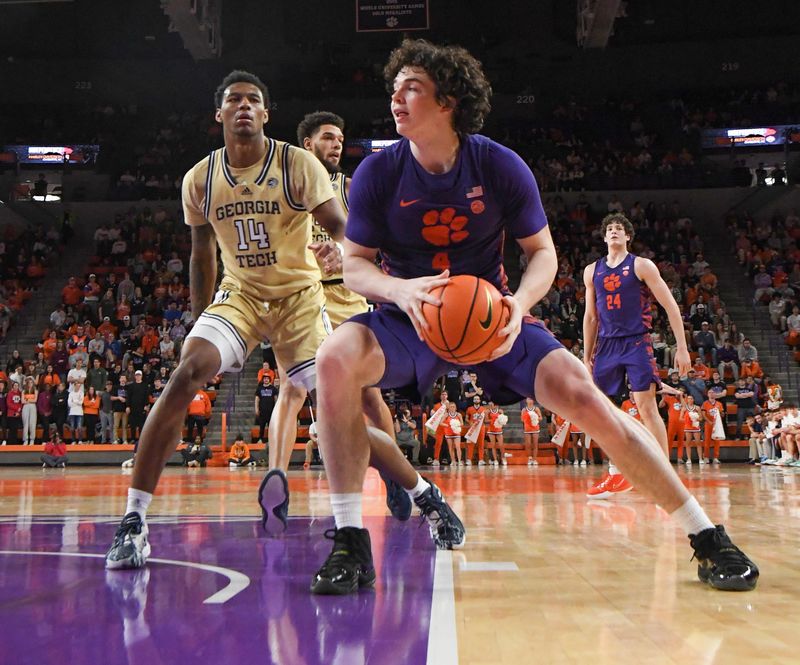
[(464, 329)]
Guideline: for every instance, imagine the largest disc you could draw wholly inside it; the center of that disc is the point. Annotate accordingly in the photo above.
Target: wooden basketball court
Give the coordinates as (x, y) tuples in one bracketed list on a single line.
[(545, 577)]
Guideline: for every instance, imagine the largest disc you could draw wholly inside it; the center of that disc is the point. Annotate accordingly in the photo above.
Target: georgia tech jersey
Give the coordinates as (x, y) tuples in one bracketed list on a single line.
[(319, 234), (260, 217)]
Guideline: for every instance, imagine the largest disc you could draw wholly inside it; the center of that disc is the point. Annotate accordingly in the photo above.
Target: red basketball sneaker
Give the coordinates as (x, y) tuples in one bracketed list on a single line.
[(621, 484), (602, 490), (608, 486)]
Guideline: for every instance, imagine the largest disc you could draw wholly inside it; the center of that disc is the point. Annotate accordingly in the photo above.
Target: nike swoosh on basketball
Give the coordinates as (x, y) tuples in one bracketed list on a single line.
[(405, 204), (488, 320)]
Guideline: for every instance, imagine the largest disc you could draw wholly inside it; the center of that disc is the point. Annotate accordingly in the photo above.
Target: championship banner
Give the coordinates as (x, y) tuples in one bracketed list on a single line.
[(391, 15), (432, 424)]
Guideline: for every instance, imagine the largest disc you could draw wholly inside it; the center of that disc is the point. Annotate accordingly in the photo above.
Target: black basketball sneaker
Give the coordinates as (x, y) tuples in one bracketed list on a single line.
[(397, 499), (130, 548), (349, 565), (720, 563), (446, 528)]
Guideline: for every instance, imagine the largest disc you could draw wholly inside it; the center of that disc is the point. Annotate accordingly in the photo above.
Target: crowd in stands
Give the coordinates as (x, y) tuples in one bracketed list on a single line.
[(767, 250), (111, 343), (25, 254)]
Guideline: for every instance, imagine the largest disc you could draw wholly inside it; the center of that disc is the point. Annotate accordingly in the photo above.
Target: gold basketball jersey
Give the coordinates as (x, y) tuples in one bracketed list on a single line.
[(319, 234), (260, 217)]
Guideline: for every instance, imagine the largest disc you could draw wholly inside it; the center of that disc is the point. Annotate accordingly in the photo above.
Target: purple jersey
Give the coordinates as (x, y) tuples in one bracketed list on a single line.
[(424, 223), (622, 300)]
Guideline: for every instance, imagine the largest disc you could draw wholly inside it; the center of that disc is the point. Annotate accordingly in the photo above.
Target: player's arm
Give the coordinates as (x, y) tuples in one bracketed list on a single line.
[(647, 271), (331, 217), (202, 268), (328, 254), (534, 285), (363, 276), (589, 318)]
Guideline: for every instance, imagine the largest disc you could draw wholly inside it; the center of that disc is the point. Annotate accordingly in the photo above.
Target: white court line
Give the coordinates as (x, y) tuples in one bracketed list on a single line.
[(237, 581), (442, 634), (488, 566)]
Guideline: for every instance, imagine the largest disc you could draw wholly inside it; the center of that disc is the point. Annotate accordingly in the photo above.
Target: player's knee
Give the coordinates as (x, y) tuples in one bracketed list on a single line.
[(192, 373), (339, 356)]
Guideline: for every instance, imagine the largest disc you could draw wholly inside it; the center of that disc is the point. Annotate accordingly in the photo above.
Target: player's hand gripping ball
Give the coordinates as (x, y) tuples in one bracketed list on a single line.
[(464, 329)]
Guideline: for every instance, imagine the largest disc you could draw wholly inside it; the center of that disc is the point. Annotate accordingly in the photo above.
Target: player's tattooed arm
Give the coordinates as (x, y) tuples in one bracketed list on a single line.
[(202, 268)]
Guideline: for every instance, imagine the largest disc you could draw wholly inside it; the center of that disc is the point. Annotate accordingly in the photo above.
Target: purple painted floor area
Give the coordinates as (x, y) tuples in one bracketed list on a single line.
[(69, 610)]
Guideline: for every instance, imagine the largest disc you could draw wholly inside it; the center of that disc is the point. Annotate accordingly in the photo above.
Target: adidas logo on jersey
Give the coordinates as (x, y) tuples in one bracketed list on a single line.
[(246, 191)]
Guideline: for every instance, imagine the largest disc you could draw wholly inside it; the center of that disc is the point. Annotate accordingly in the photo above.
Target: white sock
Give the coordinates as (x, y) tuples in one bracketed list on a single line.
[(138, 502), (419, 488), (612, 469), (692, 517), (347, 510)]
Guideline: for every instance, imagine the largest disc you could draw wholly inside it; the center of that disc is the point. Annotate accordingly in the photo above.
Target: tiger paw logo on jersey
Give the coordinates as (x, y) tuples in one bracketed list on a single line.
[(442, 228), (611, 282)]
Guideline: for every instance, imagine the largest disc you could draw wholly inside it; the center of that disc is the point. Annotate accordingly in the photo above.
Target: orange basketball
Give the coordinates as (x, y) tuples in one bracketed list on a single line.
[(464, 329)]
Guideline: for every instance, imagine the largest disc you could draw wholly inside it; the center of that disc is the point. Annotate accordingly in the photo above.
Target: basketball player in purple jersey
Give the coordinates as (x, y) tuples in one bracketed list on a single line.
[(436, 203), (616, 334)]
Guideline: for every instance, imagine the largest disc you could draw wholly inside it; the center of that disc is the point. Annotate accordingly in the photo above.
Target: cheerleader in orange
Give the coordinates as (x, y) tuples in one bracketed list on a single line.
[(674, 421), (453, 424), (573, 441), (692, 416), (712, 409), (438, 437), (531, 418), (494, 430), (476, 413)]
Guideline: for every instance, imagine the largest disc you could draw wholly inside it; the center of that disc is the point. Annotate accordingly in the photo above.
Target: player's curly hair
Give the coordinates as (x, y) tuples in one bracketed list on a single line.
[(457, 75), (313, 121), (617, 218), (240, 76)]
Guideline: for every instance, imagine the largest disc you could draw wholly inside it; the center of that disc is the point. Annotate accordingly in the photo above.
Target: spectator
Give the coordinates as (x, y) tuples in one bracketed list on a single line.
[(747, 351), (75, 414), (196, 454), (138, 402), (751, 368), (107, 413), (199, 413), (728, 359), (706, 343), (266, 395), (96, 348), (695, 386), (97, 376), (91, 296), (716, 387), (311, 445), (745, 405), (76, 376), (405, 434), (60, 407), (49, 345), (240, 453), (266, 369), (44, 409), (701, 370), (71, 294), (55, 453), (13, 412), (119, 407), (29, 396), (91, 411), (763, 283), (18, 375)]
